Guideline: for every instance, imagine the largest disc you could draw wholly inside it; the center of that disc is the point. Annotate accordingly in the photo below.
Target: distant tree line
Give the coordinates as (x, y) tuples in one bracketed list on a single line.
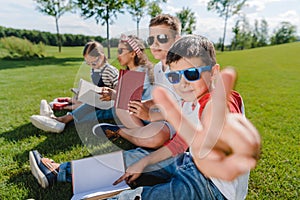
[(247, 36), (48, 38)]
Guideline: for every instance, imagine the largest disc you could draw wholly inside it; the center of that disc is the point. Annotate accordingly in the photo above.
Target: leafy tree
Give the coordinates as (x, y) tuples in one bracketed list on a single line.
[(226, 9), (187, 19), (154, 8), (242, 34), (255, 35), (104, 11), (263, 34), (284, 34), (137, 9), (54, 8)]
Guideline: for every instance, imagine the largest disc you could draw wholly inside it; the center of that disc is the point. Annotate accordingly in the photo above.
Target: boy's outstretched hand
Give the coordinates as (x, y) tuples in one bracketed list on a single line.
[(227, 145)]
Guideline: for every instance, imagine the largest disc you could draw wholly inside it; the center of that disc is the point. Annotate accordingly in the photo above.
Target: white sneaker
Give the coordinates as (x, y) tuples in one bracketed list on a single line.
[(47, 124), (45, 109)]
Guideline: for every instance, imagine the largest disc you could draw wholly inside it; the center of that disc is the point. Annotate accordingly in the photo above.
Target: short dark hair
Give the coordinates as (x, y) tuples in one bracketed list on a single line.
[(190, 46), (165, 19)]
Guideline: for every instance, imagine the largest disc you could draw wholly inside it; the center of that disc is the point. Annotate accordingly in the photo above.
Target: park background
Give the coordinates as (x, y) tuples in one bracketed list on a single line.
[(268, 79)]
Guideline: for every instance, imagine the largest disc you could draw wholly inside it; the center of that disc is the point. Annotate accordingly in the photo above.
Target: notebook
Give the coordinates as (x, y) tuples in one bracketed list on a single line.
[(92, 177), (90, 94)]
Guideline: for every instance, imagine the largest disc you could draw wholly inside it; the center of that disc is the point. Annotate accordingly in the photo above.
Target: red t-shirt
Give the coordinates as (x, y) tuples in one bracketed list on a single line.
[(177, 144)]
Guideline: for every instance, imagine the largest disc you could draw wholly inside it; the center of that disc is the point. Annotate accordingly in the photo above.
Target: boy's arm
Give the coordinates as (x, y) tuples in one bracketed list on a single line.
[(135, 170)]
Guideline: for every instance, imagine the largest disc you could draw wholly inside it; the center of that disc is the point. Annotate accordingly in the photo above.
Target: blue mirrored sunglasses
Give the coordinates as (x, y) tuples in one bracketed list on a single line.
[(191, 74)]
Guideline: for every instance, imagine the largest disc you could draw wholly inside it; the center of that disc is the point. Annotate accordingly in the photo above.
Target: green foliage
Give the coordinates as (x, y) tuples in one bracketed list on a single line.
[(103, 11), (242, 35), (48, 38), (268, 81), (226, 9), (246, 37), (136, 9), (187, 19), (22, 48), (54, 8), (284, 34), (154, 8)]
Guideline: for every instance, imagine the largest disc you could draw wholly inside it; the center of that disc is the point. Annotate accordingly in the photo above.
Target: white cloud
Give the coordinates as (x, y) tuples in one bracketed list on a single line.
[(259, 5)]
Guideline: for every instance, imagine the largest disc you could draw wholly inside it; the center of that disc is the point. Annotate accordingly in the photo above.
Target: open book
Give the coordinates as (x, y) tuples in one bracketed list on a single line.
[(130, 87), (89, 93), (92, 177)]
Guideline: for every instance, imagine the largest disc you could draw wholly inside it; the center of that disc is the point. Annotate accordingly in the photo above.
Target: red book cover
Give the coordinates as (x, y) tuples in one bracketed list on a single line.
[(130, 87)]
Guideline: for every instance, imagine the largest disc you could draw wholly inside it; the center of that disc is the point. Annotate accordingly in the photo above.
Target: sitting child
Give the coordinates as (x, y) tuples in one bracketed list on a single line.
[(102, 74)]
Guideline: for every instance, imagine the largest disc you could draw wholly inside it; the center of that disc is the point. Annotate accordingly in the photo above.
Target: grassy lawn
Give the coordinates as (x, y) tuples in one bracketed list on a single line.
[(268, 81)]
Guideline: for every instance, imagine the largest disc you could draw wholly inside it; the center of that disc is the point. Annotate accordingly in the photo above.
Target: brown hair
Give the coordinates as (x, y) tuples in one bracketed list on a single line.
[(140, 59), (192, 46), (94, 49), (165, 19)]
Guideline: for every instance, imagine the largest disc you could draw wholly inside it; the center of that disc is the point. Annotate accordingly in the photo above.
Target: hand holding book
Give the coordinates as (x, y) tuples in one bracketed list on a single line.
[(108, 94)]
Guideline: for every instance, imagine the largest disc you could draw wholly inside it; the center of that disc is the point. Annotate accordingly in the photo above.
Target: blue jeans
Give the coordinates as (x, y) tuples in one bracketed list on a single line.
[(87, 113), (130, 157), (185, 181), (182, 179)]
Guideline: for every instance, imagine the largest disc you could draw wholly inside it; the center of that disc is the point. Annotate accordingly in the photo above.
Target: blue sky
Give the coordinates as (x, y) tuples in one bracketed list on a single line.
[(23, 14)]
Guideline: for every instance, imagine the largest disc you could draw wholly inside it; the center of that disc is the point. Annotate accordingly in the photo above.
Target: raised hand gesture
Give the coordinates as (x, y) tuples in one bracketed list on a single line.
[(227, 145)]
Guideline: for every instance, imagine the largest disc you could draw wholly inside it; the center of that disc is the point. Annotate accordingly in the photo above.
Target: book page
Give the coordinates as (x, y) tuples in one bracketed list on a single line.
[(94, 176), (89, 94)]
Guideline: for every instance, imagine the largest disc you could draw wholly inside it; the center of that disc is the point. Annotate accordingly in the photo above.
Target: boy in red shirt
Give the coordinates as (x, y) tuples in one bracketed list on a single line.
[(224, 146)]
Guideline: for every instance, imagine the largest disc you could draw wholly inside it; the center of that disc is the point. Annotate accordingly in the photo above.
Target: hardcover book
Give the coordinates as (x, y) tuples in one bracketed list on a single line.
[(130, 87)]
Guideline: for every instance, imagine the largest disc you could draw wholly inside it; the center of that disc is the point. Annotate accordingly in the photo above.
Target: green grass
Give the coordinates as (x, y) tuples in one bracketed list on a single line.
[(268, 81)]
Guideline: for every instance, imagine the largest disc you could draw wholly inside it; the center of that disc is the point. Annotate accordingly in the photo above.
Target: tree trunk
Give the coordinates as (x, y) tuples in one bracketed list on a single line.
[(58, 35), (107, 33), (225, 26), (137, 27)]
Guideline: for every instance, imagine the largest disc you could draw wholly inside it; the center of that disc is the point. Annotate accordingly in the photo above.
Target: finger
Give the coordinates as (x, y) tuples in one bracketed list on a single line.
[(173, 114), (228, 168), (135, 103), (224, 86), (241, 131), (122, 178), (132, 109), (132, 178), (215, 117), (246, 123)]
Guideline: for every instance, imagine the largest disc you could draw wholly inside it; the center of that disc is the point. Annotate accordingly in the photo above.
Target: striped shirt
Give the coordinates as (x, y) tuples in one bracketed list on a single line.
[(109, 75)]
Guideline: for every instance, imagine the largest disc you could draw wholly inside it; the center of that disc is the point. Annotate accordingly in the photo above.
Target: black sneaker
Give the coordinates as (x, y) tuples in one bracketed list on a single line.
[(42, 169), (110, 130)]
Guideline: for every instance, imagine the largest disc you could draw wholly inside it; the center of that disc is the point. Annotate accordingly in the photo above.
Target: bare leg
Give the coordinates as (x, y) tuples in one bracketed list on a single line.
[(65, 119)]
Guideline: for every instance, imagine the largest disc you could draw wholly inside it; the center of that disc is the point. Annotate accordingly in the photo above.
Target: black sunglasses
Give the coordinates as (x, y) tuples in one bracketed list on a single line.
[(120, 50), (191, 74), (161, 38)]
